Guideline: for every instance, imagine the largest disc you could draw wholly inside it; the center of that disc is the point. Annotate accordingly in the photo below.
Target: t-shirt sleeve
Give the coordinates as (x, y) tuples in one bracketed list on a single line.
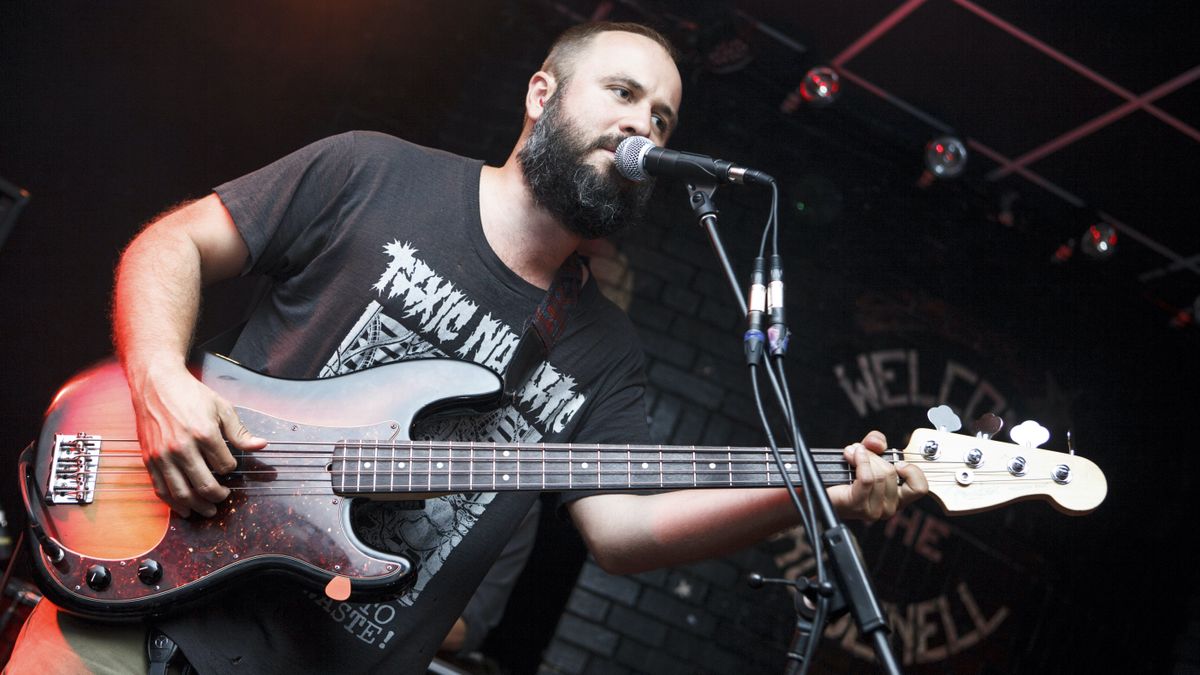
[(286, 210), (619, 418)]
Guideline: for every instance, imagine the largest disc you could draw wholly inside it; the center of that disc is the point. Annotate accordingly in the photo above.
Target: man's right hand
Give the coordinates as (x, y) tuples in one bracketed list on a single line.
[(183, 427)]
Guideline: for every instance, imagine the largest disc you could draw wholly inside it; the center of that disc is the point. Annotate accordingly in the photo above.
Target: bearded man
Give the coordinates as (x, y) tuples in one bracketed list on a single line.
[(379, 251)]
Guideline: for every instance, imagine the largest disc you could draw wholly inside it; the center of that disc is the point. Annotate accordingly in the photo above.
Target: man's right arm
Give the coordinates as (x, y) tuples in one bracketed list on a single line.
[(182, 424)]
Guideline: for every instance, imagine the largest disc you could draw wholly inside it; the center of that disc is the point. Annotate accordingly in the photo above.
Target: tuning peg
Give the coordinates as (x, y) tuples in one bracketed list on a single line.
[(1029, 434), (987, 426), (943, 418)]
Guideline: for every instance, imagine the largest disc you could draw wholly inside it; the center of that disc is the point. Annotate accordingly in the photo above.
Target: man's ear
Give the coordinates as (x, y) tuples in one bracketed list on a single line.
[(541, 87)]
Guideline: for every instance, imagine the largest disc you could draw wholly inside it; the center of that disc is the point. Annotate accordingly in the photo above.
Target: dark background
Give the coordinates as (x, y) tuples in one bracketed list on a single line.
[(110, 113)]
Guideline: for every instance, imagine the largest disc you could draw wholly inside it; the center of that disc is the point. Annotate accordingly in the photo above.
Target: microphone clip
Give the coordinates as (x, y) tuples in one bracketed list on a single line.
[(700, 198)]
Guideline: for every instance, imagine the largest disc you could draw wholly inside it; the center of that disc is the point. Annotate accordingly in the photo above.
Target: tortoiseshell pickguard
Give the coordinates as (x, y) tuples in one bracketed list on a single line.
[(282, 513)]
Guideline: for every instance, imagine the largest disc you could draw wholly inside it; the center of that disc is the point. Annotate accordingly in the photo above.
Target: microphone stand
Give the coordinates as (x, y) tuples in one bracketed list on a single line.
[(851, 573)]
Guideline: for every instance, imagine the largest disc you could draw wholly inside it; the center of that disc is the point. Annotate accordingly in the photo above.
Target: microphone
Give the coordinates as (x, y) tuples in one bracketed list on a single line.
[(638, 158)]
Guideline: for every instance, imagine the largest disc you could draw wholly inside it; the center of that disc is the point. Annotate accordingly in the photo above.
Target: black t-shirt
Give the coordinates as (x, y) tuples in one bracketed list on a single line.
[(377, 254)]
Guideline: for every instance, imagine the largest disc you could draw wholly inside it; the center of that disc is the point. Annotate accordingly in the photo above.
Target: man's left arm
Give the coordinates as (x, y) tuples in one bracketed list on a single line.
[(633, 533)]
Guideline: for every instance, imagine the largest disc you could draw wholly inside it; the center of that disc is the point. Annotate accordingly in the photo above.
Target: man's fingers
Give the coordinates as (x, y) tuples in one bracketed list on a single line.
[(875, 441), (877, 491), (203, 489), (866, 492), (172, 487), (915, 484), (236, 432)]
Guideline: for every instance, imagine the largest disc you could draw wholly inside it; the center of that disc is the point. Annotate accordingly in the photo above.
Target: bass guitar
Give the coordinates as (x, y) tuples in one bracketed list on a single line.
[(109, 548)]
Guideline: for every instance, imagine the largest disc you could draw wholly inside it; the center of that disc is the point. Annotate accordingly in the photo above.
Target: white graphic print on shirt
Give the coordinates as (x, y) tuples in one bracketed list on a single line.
[(433, 319)]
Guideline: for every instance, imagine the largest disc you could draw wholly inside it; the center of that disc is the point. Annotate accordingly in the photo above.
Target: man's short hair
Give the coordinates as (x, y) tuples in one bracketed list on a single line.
[(560, 62)]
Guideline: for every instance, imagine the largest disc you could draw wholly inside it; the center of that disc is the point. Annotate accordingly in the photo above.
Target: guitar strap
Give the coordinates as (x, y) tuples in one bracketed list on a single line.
[(544, 328)]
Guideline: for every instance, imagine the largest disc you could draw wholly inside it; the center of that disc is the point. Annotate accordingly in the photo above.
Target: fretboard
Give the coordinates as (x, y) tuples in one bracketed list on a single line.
[(438, 466)]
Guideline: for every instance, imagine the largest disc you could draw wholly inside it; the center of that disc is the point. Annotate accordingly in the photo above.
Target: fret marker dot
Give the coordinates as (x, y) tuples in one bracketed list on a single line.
[(788, 467), (712, 465), (505, 476), (440, 465), (400, 465), (645, 465), (584, 465), (505, 453), (366, 465)]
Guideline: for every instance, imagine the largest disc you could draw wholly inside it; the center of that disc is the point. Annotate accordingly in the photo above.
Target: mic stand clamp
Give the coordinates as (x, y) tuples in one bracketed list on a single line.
[(808, 592)]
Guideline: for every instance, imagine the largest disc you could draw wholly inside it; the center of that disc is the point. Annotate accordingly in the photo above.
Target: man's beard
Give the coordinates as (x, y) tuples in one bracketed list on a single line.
[(590, 202)]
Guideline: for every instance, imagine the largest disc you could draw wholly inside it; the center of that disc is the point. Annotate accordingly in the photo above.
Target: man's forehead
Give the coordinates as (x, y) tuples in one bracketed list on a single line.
[(619, 52)]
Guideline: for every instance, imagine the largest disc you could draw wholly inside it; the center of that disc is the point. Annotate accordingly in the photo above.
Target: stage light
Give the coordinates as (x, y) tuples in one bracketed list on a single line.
[(1099, 242), (819, 88), (724, 41), (1064, 252), (945, 157)]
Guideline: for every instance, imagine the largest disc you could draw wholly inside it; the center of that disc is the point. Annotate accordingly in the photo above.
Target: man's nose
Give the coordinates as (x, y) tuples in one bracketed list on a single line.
[(637, 124)]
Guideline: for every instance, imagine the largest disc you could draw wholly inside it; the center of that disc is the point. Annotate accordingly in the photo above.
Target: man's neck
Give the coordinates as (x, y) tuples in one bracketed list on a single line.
[(524, 236)]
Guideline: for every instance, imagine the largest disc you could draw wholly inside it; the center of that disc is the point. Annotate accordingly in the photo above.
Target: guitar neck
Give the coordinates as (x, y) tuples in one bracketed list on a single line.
[(425, 467)]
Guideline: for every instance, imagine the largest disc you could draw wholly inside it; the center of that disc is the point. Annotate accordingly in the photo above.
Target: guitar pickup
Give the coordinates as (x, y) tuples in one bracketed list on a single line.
[(73, 469)]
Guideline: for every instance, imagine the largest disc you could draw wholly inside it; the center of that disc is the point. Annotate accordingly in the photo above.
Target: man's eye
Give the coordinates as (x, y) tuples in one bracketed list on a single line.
[(660, 123), (621, 92)]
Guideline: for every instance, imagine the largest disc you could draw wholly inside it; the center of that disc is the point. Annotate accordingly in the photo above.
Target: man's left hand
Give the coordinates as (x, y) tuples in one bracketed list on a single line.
[(877, 491)]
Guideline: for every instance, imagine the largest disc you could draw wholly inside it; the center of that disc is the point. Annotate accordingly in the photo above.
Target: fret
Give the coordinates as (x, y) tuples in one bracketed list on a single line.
[(471, 470), (420, 470), (410, 462), (340, 470), (674, 469), (660, 467), (530, 477), (429, 465), (543, 446), (374, 467), (614, 473), (584, 469), (644, 469), (712, 468), (358, 470), (459, 469), (483, 467), (556, 471), (392, 468), (628, 466), (507, 468)]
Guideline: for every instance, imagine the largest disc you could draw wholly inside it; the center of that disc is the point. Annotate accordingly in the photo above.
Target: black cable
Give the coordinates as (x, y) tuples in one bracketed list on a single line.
[(822, 606), (805, 516), (775, 217), (807, 510)]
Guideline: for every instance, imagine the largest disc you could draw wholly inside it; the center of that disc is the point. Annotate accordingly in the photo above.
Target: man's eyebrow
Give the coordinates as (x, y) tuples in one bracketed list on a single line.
[(633, 85)]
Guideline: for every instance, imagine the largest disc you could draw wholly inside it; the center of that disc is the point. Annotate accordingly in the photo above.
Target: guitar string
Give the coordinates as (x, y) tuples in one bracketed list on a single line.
[(478, 446), (613, 469), (619, 459), (302, 491), (842, 476), (722, 469)]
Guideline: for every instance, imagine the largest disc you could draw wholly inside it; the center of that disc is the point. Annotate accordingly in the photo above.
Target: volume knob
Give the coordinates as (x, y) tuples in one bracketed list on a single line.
[(98, 577), (149, 571)]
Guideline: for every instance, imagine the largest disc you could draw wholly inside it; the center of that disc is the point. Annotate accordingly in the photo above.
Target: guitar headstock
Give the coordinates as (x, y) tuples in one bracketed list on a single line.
[(968, 474)]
